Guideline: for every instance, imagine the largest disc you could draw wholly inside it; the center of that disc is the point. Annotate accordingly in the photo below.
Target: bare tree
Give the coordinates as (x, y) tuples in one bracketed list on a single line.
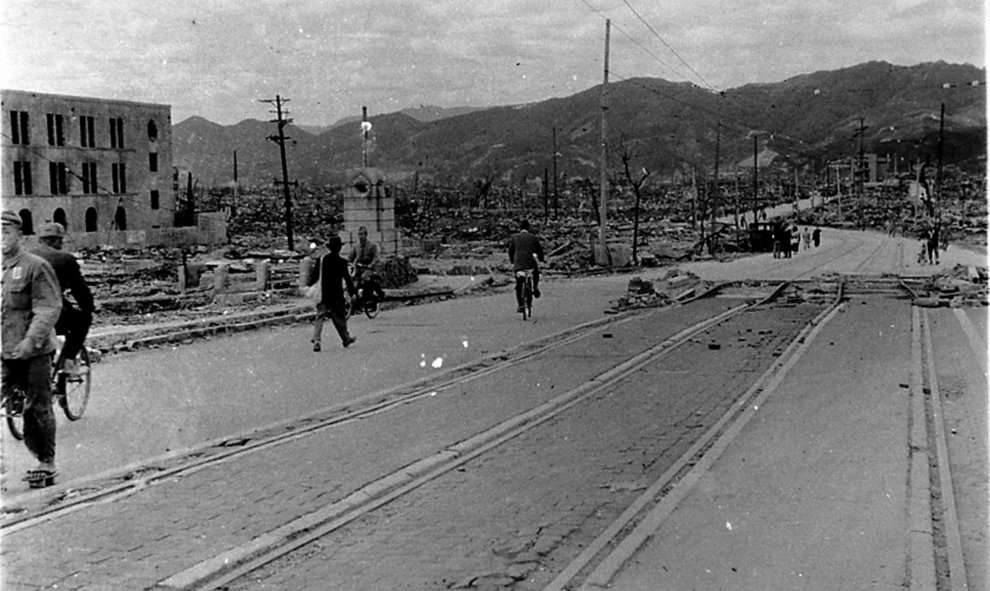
[(636, 181)]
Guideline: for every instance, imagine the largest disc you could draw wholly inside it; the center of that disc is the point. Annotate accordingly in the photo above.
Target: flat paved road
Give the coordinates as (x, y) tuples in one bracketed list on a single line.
[(515, 517)]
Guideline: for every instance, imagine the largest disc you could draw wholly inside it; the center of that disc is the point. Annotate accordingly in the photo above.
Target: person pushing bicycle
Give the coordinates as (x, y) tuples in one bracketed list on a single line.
[(524, 251), (31, 303)]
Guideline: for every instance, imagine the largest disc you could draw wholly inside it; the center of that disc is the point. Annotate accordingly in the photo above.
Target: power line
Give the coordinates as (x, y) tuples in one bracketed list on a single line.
[(635, 41), (667, 45)]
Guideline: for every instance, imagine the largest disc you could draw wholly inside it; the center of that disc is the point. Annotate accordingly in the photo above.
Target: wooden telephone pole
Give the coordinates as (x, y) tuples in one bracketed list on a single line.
[(282, 120), (603, 183)]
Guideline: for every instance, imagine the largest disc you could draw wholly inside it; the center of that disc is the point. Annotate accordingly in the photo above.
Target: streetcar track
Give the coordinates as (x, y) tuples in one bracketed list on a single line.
[(238, 562), (949, 569), (122, 483), (132, 478)]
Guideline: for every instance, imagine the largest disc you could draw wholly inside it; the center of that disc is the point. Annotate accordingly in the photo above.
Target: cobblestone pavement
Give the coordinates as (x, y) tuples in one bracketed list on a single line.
[(171, 526), (518, 514)]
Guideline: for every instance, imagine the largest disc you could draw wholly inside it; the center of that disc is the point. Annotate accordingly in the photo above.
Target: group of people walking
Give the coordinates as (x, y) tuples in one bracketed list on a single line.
[(788, 239)]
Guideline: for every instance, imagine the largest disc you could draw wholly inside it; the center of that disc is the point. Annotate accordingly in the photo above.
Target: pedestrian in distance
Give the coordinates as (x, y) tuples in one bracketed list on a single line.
[(806, 238), (331, 273), (77, 313), (816, 236), (524, 251), (31, 303)]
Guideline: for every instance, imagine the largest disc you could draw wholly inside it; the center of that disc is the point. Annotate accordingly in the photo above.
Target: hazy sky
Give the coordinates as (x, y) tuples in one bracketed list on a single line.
[(217, 58)]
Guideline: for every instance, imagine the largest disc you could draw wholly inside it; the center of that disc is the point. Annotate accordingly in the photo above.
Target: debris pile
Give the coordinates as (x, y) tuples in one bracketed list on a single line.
[(961, 286)]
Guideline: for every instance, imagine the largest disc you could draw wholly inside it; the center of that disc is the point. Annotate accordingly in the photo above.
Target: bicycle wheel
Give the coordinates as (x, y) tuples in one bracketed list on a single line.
[(73, 391), (348, 303), (13, 410), (527, 297), (371, 306)]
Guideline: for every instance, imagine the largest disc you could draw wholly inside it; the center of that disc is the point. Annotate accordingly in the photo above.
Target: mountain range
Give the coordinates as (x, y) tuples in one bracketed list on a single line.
[(661, 126)]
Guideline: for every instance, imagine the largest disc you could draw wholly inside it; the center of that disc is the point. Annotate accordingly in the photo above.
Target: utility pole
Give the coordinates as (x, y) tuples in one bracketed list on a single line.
[(365, 128), (556, 202), (282, 121), (603, 184), (938, 171), (718, 139), (756, 184), (546, 198), (234, 203)]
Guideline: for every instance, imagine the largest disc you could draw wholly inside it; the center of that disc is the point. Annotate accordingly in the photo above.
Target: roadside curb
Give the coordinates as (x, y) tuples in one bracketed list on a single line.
[(126, 339)]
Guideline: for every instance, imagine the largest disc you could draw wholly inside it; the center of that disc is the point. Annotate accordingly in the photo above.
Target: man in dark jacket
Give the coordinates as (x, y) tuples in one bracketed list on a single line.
[(30, 307), (77, 312), (524, 250), (332, 273)]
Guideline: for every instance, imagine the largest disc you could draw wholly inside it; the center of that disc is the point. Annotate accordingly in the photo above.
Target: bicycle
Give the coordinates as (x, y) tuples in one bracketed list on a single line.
[(524, 283), (71, 392), (366, 300)]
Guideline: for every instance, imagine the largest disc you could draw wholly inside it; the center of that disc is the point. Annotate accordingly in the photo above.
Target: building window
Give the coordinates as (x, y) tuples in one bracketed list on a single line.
[(58, 178), (117, 132), (59, 217), (27, 222), (120, 219), (118, 177), (87, 134), (22, 178), (153, 162), (89, 178), (56, 133), (152, 131), (19, 128), (91, 219), (155, 204)]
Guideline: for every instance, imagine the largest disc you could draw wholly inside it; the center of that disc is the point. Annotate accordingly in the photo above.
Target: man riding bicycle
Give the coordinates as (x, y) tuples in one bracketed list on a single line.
[(364, 257), (77, 311), (524, 250)]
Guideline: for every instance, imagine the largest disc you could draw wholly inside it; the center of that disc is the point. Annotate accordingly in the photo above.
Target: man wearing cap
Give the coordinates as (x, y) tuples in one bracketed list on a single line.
[(332, 273), (77, 312), (30, 306)]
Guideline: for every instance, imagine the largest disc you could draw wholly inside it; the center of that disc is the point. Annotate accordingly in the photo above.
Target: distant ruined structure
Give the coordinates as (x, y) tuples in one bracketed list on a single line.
[(102, 168), (368, 203)]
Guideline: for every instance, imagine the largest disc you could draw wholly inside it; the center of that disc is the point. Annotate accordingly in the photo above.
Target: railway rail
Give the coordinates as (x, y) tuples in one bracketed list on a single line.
[(234, 566)]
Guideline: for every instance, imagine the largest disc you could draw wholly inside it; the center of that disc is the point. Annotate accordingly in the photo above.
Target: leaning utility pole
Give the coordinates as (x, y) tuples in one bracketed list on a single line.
[(280, 140), (603, 185)]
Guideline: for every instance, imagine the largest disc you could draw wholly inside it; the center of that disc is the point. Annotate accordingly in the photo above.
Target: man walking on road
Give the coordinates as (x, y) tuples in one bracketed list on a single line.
[(524, 250), (332, 273), (30, 307), (75, 320)]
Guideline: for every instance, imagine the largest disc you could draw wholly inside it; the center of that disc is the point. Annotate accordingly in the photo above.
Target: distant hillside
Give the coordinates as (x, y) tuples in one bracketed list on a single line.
[(666, 126)]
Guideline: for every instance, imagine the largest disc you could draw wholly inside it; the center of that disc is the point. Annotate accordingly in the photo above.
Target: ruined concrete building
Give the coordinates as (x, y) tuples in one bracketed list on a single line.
[(102, 168)]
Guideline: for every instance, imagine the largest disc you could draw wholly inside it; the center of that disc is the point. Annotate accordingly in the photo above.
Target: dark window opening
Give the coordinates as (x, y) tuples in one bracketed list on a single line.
[(87, 133), (58, 178), (19, 128), (155, 204), (59, 217), (89, 178), (22, 178), (91, 218), (27, 222), (152, 131), (56, 134), (153, 162), (120, 219), (117, 132), (118, 174)]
